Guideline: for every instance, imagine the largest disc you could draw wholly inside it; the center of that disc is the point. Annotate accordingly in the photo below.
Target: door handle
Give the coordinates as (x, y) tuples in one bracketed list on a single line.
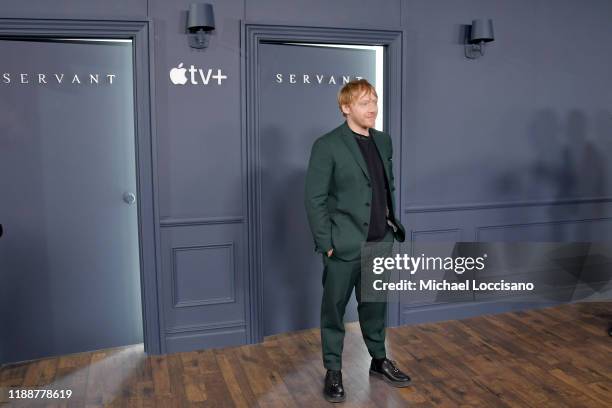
[(129, 198)]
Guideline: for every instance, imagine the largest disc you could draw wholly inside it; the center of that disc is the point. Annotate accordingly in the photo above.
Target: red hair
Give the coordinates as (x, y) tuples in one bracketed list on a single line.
[(352, 90)]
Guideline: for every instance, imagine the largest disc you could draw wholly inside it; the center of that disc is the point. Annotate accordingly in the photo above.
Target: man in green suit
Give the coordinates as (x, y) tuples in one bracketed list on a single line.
[(349, 201)]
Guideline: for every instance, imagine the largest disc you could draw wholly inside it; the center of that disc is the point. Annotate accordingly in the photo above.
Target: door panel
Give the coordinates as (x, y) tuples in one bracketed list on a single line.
[(69, 257)]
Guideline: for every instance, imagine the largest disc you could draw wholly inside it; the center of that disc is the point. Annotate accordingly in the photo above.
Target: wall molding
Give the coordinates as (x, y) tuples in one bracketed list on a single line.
[(503, 204), (415, 233), (209, 301), (530, 224), (206, 327), (426, 313), (86, 27), (252, 34), (140, 31), (181, 222)]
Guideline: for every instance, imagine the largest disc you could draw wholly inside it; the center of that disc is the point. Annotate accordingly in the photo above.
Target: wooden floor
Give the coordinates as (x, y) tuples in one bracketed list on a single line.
[(554, 357)]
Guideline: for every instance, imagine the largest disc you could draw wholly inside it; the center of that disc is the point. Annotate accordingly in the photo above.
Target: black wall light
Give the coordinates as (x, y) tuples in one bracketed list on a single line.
[(481, 32), (200, 22)]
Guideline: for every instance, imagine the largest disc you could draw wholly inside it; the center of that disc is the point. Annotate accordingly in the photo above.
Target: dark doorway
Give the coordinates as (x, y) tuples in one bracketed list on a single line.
[(298, 84)]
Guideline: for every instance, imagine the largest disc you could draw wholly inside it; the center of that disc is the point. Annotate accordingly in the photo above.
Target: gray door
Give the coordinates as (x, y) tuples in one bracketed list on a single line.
[(69, 256), (293, 112)]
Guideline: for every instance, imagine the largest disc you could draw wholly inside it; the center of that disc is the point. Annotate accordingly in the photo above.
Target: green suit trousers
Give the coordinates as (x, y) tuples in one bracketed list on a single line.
[(339, 279)]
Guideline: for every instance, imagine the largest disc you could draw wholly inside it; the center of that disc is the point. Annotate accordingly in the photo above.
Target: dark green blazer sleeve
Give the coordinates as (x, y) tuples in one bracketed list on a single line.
[(318, 179)]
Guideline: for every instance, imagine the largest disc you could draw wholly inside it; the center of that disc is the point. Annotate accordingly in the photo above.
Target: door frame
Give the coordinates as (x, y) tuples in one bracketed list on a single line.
[(252, 34), (141, 33)]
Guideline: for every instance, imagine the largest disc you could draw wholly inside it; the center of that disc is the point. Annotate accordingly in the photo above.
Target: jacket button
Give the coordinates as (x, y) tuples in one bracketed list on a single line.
[(393, 188), (369, 185), (365, 224), (367, 204)]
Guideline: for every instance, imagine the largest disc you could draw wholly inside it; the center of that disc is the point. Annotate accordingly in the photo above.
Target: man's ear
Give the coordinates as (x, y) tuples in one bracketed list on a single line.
[(345, 109)]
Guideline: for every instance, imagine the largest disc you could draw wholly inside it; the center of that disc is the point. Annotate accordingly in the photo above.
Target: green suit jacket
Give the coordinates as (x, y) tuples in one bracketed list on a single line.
[(337, 193)]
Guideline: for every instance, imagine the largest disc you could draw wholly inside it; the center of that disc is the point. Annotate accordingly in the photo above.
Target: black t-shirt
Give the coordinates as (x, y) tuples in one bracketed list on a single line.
[(378, 207)]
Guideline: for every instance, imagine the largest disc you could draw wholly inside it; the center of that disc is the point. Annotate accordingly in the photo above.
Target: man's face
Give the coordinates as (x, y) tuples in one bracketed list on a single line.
[(363, 110)]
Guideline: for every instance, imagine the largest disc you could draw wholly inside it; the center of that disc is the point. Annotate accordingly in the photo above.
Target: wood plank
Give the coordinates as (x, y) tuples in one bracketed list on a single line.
[(551, 357)]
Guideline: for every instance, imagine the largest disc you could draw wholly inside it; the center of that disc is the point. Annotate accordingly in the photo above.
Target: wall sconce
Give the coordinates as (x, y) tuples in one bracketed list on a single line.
[(481, 32), (200, 21)]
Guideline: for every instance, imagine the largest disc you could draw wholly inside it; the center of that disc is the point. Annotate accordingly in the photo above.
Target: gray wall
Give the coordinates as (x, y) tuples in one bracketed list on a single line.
[(510, 146)]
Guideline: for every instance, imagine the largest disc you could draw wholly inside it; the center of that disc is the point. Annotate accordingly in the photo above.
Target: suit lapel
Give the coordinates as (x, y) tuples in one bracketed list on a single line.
[(351, 143)]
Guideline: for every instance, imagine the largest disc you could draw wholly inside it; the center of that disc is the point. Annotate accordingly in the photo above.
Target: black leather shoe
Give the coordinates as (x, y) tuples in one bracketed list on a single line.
[(334, 391), (386, 370)]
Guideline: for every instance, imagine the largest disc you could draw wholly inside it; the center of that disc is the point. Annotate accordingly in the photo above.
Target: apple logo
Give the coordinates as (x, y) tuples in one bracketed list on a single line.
[(177, 75)]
